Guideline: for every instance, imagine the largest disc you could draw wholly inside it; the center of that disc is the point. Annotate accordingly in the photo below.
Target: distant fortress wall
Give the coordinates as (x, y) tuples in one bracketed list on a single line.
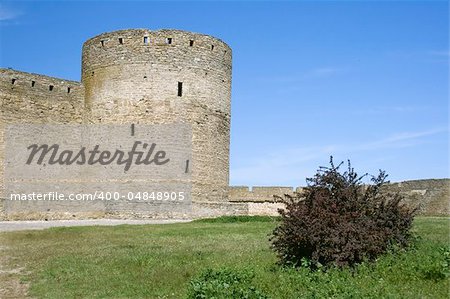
[(431, 196)]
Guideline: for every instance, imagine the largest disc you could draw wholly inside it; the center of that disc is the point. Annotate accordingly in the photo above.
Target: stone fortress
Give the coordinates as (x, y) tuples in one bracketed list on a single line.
[(140, 76)]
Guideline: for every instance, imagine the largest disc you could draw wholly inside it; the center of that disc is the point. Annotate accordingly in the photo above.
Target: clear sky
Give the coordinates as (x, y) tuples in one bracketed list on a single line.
[(366, 81)]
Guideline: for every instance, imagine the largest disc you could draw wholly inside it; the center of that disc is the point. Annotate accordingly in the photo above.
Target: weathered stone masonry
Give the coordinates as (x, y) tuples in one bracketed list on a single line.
[(142, 77), (432, 197), (152, 77)]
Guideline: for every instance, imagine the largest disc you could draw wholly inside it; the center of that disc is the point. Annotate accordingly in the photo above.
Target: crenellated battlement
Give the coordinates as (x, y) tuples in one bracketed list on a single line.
[(17, 81), (259, 194), (431, 196), (163, 37), (34, 98), (141, 45)]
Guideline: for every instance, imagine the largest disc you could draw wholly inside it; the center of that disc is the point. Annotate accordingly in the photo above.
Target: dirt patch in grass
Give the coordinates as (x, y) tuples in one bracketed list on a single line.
[(11, 274)]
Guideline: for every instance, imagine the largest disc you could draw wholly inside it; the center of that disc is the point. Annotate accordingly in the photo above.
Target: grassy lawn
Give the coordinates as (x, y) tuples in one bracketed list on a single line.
[(158, 261)]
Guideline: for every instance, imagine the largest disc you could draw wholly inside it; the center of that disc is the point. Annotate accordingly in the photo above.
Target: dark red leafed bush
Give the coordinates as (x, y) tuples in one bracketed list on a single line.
[(338, 220)]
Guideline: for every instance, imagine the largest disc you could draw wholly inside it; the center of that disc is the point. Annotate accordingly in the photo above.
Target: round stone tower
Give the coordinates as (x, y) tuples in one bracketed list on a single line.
[(166, 76)]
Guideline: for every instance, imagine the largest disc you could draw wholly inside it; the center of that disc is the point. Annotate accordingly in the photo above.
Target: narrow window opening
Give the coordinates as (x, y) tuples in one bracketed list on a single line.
[(180, 89), (68, 89), (103, 43), (32, 83), (191, 43), (50, 87), (212, 47), (187, 166), (169, 40), (145, 40), (13, 81), (120, 40)]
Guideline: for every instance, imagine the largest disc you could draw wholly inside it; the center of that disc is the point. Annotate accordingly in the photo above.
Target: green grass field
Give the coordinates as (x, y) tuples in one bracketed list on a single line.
[(159, 261)]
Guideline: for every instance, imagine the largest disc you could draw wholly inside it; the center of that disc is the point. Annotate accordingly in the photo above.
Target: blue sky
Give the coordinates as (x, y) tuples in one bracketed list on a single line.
[(366, 81)]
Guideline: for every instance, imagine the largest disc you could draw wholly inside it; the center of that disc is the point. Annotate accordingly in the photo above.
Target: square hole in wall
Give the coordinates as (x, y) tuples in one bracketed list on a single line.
[(50, 87), (33, 83), (169, 40), (180, 89), (145, 40), (191, 43), (120, 40)]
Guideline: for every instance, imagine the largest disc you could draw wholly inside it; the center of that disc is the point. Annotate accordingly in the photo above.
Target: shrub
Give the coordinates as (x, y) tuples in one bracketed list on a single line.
[(337, 220), (224, 284)]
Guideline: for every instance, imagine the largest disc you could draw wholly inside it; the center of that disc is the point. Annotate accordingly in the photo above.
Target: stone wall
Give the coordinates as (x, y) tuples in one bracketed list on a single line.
[(431, 196), (31, 98), (258, 194)]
